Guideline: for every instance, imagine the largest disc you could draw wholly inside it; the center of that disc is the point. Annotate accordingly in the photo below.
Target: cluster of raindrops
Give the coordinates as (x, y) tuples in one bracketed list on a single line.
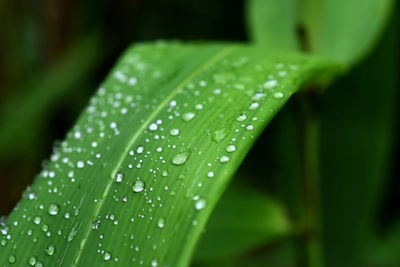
[(138, 150)]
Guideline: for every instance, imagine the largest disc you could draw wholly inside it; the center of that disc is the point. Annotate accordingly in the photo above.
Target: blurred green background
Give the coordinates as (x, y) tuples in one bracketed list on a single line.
[(54, 54)]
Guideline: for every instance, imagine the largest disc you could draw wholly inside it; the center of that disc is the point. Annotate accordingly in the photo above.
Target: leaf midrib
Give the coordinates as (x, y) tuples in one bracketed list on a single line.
[(215, 58)]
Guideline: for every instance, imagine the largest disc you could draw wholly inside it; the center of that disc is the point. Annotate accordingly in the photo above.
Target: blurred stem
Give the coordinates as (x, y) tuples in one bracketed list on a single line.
[(311, 245)]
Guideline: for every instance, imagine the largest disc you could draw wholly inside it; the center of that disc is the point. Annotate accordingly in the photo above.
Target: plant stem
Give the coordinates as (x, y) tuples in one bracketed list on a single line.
[(310, 176)]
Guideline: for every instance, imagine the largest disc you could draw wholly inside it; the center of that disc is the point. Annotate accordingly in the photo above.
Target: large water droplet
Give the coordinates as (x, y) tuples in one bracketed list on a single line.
[(138, 186), (180, 159), (54, 209)]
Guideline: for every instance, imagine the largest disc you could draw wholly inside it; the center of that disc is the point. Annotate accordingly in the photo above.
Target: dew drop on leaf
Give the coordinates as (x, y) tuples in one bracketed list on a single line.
[(210, 174), (188, 116), (174, 132), (54, 209), (37, 220), (224, 159), (12, 259), (138, 186), (220, 135), (180, 159), (161, 223), (231, 148), (278, 95), (107, 256), (119, 176), (200, 204), (50, 249), (241, 117)]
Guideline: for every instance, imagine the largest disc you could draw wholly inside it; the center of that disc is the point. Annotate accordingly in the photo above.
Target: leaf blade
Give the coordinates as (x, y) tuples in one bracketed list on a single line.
[(123, 187)]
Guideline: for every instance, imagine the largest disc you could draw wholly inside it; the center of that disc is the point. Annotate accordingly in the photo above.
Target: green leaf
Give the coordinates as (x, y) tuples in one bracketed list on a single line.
[(273, 23), (243, 219), (139, 174), (344, 30)]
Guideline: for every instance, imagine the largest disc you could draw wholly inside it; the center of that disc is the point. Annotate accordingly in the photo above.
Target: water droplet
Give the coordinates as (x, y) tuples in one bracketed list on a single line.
[(270, 84), (231, 148), (210, 174), (258, 96), (37, 220), (220, 135), (39, 264), (224, 159), (95, 224), (50, 249), (188, 116), (138, 186), (12, 259), (278, 95), (153, 127), (140, 149), (107, 256), (174, 132), (119, 176), (249, 127), (254, 105), (80, 164), (54, 209), (154, 263), (32, 260), (161, 223), (180, 158), (200, 204), (241, 117)]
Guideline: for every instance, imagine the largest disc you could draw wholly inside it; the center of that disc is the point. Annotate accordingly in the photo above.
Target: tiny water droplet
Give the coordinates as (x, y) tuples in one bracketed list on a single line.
[(119, 176), (210, 174), (37, 220), (153, 127), (241, 117), (95, 224), (54, 209), (174, 132), (12, 259), (180, 159), (231, 148), (154, 263), (138, 186), (220, 135), (270, 84), (107, 256), (140, 149), (50, 249), (32, 260), (278, 95), (200, 204), (254, 105), (224, 159), (188, 116), (161, 223)]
